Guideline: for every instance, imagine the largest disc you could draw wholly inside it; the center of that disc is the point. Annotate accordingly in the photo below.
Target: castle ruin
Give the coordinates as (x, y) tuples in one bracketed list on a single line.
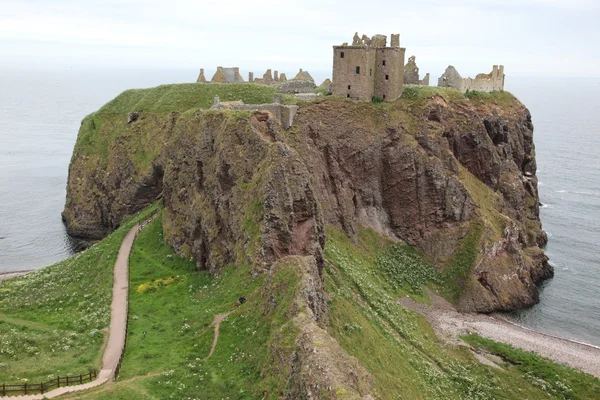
[(411, 74), (482, 82), (223, 75), (232, 75), (369, 68)]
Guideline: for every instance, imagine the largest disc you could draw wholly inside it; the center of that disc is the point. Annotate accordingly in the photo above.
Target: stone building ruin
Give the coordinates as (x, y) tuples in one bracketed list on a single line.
[(268, 78), (232, 75), (369, 68), (224, 75), (303, 76), (411, 74), (282, 112), (482, 82)]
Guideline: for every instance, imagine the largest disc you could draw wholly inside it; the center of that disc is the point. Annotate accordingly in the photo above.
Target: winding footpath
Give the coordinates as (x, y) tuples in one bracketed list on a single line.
[(118, 324)]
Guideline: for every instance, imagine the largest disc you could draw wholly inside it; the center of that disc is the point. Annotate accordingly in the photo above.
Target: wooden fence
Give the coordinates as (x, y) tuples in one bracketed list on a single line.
[(34, 388)]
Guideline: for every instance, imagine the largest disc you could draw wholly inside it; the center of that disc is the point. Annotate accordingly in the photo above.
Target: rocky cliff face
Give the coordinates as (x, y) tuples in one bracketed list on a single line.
[(237, 188)]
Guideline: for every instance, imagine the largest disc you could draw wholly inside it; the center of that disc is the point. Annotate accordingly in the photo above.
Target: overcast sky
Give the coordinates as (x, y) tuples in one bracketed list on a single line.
[(530, 37)]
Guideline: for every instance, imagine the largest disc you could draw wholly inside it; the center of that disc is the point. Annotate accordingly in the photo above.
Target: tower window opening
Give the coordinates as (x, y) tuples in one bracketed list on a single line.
[(348, 87), (387, 77), (384, 96), (383, 63), (358, 70), (370, 72), (348, 95), (342, 54)]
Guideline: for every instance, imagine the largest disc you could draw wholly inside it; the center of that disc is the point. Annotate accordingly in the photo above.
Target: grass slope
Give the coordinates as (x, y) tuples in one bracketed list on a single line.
[(400, 349), (171, 308), (53, 320)]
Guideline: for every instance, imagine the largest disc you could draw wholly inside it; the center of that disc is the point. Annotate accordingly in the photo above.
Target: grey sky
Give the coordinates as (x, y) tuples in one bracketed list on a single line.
[(530, 37)]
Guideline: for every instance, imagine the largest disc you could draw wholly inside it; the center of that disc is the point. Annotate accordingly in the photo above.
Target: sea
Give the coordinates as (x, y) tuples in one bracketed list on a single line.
[(41, 111)]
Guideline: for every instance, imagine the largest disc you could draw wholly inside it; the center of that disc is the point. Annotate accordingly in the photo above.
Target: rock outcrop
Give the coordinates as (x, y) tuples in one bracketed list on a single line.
[(237, 189)]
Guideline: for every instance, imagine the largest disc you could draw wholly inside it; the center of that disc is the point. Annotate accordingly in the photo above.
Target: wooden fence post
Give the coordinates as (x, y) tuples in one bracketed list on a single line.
[(58, 381), (4, 389), (25, 386)]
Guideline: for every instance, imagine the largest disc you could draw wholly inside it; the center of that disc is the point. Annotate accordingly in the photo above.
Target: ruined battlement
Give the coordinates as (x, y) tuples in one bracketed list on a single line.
[(482, 82), (369, 68)]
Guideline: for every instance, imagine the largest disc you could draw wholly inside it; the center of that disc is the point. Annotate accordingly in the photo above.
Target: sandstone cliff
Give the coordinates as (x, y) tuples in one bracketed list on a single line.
[(431, 169)]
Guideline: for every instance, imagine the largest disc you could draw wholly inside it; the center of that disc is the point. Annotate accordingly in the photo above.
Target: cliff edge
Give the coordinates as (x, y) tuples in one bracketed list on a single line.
[(451, 175)]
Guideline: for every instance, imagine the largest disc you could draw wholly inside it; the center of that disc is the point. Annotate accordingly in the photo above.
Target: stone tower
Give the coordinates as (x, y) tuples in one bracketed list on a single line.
[(369, 68)]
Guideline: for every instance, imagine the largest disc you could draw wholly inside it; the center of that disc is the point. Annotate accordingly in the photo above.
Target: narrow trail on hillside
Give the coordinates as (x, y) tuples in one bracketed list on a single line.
[(118, 323), (448, 324), (216, 323)]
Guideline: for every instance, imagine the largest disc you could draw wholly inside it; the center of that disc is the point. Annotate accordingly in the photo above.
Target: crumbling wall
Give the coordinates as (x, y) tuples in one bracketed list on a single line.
[(485, 82), (482, 82), (411, 73), (201, 77), (297, 86), (450, 78), (284, 113)]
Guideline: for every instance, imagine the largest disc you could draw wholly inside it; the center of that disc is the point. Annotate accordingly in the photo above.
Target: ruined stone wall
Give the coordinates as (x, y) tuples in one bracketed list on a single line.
[(201, 77), (482, 82), (297, 86), (450, 78), (485, 82), (411, 73), (284, 113), (354, 72), (389, 73)]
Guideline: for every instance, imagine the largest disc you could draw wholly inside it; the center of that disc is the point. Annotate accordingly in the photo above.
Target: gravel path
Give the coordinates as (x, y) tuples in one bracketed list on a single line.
[(118, 323), (449, 323)]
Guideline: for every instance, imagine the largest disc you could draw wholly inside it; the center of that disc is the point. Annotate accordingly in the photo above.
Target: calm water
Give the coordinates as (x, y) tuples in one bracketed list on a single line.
[(40, 113), (566, 116)]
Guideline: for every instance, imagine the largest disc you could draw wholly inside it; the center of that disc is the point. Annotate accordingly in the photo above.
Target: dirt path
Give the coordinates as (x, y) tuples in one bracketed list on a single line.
[(118, 323), (216, 323), (449, 324)]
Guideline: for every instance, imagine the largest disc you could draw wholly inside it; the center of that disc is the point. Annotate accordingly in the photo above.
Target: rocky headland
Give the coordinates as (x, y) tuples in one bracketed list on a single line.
[(434, 169)]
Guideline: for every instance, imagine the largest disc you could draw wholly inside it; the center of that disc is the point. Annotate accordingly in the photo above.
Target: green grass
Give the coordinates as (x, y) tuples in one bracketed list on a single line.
[(171, 354), (562, 381), (184, 96), (397, 346), (417, 92), (172, 305), (499, 97), (455, 275), (52, 320), (405, 268)]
